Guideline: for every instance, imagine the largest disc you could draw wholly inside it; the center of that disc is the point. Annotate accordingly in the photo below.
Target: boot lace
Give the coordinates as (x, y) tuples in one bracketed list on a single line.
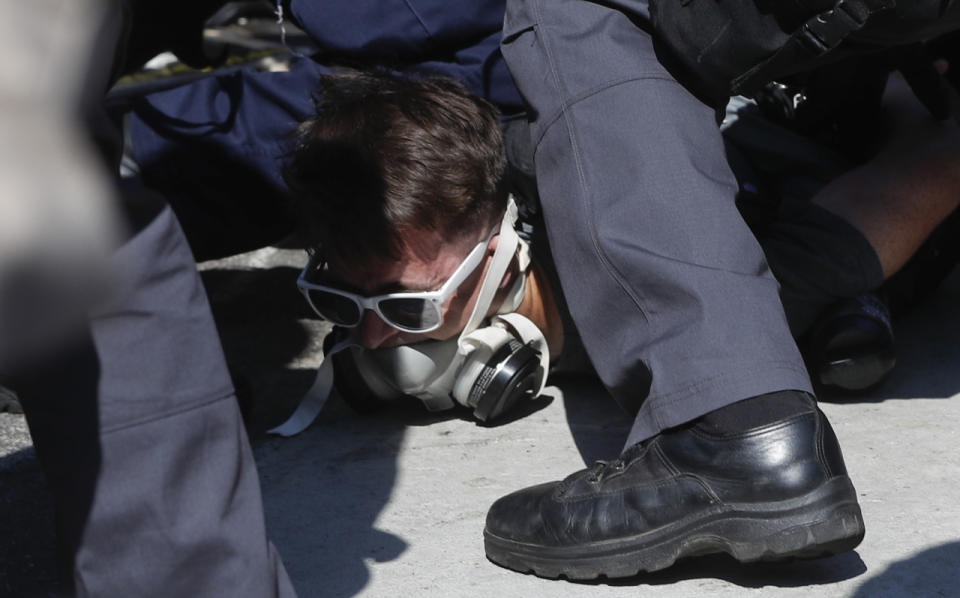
[(602, 469)]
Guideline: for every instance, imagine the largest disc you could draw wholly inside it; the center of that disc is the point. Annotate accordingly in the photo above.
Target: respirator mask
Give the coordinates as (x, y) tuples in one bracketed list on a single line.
[(490, 366)]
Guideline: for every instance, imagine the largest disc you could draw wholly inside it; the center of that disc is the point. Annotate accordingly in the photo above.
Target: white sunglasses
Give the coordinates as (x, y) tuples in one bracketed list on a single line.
[(416, 311)]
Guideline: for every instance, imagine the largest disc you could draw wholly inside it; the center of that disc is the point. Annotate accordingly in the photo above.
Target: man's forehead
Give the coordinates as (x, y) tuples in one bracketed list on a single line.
[(425, 259)]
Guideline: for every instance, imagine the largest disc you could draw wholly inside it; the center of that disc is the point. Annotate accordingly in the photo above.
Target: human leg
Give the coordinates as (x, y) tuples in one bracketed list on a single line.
[(669, 291), (832, 232), (890, 206), (665, 283), (897, 198), (153, 479)]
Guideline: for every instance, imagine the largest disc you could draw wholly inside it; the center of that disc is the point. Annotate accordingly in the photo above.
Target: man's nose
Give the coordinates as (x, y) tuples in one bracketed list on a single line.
[(374, 331)]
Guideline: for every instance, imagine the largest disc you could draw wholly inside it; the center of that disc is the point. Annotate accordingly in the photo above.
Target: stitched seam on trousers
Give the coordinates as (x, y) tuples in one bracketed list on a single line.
[(668, 258), (591, 223), (698, 385), (548, 122), (561, 114), (419, 19), (228, 394), (643, 249)]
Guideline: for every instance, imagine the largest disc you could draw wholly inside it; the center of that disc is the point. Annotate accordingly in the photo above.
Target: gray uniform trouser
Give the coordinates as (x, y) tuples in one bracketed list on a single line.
[(154, 483), (666, 284)]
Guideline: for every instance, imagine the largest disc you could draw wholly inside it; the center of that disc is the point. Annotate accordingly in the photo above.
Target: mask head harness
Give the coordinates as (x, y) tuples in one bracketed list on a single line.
[(490, 366)]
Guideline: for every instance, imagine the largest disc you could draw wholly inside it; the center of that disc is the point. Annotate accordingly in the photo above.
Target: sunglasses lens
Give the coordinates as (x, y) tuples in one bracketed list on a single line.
[(335, 308), (413, 314)]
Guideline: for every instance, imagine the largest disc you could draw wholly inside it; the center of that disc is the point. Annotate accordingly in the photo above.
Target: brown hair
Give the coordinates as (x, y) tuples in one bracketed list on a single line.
[(387, 154)]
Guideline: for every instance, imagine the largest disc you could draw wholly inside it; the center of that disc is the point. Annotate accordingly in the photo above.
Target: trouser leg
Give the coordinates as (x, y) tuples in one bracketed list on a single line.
[(666, 284), (153, 476)]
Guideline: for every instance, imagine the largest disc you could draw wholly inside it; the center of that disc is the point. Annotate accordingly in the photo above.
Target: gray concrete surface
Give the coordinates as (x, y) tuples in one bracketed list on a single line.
[(392, 504)]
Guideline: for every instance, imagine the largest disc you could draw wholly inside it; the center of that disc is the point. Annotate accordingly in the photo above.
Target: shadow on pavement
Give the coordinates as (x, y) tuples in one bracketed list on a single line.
[(932, 572), (323, 492), (598, 425), (324, 488), (264, 325)]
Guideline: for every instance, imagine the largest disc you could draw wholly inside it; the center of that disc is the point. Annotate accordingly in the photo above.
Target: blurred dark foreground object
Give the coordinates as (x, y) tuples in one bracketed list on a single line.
[(57, 207)]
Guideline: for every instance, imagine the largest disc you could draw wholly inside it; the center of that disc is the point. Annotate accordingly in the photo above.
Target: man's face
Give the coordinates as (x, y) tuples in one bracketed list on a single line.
[(426, 261)]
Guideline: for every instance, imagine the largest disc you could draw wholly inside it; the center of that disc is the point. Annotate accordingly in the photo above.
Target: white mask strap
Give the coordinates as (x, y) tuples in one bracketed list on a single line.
[(316, 397), (515, 297), (502, 256)]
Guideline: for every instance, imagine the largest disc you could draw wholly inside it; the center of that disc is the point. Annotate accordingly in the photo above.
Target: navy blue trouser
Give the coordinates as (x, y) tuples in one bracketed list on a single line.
[(667, 286), (139, 432), (215, 147)]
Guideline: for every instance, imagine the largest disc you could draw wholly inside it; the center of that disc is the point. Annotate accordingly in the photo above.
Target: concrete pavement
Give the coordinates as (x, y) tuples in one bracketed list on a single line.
[(392, 504)]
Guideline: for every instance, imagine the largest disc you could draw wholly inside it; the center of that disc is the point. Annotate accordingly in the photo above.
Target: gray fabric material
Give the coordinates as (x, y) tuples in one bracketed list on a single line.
[(667, 286), (141, 437)]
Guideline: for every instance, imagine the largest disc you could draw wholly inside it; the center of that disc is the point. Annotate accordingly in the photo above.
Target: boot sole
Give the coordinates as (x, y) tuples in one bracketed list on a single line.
[(823, 522)]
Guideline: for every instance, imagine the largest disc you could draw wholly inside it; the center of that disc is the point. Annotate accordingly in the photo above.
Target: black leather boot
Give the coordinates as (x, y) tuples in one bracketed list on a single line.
[(851, 346), (776, 491)]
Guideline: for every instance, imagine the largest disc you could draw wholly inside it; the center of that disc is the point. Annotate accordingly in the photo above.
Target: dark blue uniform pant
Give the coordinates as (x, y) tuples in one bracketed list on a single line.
[(139, 433), (666, 284), (138, 430)]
